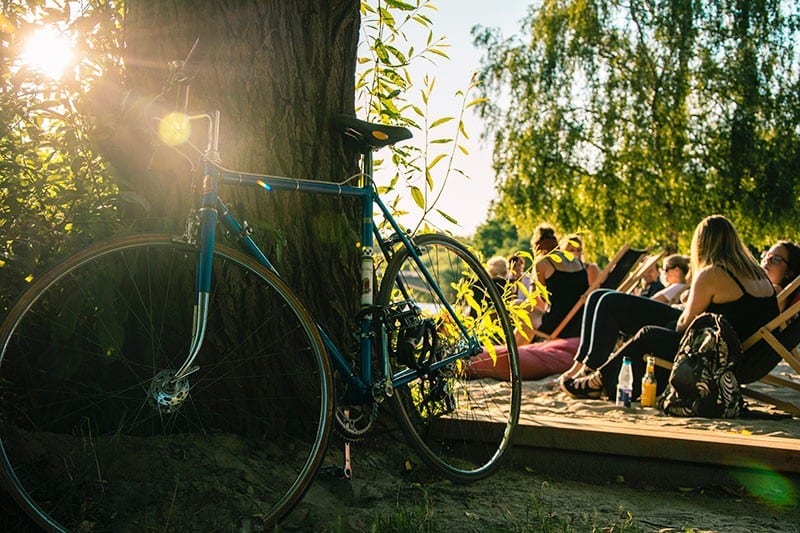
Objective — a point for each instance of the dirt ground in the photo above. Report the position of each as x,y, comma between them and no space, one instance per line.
391,491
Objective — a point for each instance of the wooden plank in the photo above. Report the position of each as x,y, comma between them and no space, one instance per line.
685,445
769,399
761,452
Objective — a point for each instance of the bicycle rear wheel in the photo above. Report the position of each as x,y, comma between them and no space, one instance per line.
95,435
461,427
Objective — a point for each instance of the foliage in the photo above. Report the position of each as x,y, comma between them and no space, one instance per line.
495,236
632,121
55,191
386,92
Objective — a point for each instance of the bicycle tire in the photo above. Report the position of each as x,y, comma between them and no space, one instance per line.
461,427
89,439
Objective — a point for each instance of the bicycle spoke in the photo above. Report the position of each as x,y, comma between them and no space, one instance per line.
95,431
460,426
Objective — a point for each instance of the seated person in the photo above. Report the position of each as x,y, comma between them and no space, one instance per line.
497,267
574,245
651,282
544,240
759,360
729,281
566,280
517,275
782,264
676,270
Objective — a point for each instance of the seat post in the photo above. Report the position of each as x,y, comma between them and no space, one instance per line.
366,168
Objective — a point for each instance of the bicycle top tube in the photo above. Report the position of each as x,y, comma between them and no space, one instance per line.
270,182
366,137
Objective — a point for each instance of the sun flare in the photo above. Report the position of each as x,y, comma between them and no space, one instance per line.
174,129
48,51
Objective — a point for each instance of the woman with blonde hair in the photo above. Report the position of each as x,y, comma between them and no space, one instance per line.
726,279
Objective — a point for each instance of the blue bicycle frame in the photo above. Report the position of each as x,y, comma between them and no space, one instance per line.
213,208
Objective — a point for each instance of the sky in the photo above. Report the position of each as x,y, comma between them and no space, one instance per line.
465,200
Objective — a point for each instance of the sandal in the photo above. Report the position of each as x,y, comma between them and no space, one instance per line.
574,371
588,387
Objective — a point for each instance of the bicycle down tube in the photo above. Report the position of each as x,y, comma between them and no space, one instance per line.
212,206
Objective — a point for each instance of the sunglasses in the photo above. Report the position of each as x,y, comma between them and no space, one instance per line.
772,259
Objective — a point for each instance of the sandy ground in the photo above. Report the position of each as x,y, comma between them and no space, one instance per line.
384,495
390,489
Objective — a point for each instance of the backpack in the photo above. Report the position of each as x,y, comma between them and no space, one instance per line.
702,382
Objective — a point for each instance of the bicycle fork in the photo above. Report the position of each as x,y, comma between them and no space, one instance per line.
170,388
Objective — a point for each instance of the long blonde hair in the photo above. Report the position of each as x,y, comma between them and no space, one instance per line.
716,242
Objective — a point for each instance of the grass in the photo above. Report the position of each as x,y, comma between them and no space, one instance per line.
539,516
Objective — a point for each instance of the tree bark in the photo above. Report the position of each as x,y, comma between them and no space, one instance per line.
277,70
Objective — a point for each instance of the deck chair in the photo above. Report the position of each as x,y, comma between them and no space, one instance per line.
610,277
623,267
775,341
639,270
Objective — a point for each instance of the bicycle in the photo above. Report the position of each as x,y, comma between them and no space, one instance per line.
132,354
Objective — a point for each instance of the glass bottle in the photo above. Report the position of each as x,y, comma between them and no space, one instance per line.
649,383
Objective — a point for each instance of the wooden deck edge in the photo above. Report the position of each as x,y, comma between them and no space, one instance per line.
658,443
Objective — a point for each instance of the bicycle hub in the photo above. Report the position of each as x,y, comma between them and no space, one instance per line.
166,393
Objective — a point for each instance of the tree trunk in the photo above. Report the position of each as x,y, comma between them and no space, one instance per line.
277,70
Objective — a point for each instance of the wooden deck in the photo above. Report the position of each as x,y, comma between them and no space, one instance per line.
560,434
637,440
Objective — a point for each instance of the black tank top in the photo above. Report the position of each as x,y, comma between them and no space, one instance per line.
565,288
749,312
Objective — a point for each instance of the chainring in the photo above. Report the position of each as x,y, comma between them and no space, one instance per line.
352,422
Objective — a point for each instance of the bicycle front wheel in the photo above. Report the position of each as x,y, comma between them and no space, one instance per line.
461,425
96,434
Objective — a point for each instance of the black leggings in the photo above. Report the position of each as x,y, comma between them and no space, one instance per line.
608,313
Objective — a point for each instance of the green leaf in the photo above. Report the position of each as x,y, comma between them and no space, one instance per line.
477,101
441,121
436,160
403,6
386,17
446,216
418,197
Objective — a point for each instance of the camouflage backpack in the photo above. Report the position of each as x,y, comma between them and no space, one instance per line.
702,382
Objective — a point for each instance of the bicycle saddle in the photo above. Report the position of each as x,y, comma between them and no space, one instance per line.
368,135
